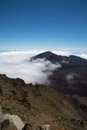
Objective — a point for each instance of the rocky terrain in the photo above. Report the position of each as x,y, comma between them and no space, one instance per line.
43,105
61,105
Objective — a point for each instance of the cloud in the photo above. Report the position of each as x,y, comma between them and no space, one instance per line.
62,53
83,55
70,77
67,53
17,65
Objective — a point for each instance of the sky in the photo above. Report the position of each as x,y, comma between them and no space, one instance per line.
43,24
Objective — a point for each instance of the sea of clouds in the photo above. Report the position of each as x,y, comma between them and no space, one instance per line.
16,64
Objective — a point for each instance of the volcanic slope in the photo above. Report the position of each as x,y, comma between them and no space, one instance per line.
71,77
40,104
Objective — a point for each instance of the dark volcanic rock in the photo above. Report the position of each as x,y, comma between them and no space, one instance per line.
58,58
50,57
76,58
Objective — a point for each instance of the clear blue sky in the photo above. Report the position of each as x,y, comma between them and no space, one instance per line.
43,24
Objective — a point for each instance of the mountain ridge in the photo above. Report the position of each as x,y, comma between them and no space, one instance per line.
52,57
71,77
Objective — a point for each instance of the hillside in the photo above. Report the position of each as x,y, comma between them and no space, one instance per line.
54,58
41,104
71,77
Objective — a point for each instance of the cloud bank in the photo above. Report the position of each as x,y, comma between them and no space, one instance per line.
17,65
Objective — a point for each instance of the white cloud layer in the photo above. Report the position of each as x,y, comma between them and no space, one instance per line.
17,65
67,53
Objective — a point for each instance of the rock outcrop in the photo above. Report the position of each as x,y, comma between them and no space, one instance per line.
10,122
13,122
45,127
